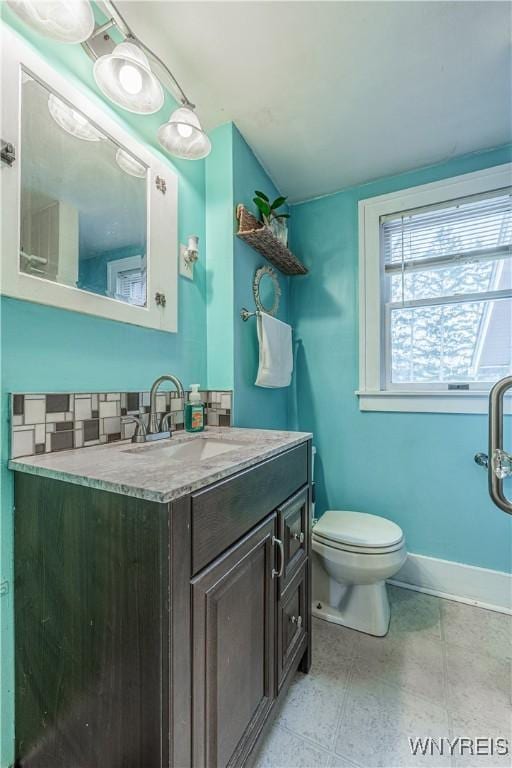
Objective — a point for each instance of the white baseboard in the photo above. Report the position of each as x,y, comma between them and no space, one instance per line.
456,581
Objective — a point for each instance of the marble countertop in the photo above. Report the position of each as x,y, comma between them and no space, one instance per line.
149,471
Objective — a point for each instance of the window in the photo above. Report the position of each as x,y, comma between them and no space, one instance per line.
448,284
126,280
130,286
438,267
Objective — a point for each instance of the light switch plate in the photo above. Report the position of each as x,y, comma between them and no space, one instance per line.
186,268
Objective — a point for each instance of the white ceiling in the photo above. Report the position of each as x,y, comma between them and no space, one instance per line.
332,94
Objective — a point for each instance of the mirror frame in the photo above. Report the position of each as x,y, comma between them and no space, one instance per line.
258,276
161,199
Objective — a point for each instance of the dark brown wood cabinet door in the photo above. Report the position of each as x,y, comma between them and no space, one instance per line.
293,531
234,653
292,622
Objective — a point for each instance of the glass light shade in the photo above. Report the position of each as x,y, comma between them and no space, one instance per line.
129,164
125,77
182,135
71,121
68,21
193,243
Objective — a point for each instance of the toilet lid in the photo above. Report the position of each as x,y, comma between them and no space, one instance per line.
358,529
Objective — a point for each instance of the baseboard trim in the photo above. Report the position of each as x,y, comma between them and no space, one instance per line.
456,581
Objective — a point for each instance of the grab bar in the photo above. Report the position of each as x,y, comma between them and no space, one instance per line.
496,452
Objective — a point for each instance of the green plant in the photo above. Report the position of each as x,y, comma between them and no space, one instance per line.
267,209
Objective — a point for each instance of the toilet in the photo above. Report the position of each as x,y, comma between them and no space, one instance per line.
354,554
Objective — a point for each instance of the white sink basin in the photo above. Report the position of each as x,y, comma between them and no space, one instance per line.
196,449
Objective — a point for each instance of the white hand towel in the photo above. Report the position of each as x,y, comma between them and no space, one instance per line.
276,357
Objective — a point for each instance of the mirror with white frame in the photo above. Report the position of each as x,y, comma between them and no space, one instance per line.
89,213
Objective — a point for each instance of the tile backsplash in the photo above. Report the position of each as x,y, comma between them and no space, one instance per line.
46,423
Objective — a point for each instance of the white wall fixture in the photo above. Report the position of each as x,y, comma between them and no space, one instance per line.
182,135
122,71
189,254
125,77
68,21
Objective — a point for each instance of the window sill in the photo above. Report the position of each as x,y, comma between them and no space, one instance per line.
428,402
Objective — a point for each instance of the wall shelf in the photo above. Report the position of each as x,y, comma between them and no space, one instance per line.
259,237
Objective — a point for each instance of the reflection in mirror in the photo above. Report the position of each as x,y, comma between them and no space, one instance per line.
266,290
83,201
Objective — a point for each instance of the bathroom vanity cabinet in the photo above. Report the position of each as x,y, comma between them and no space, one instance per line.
152,634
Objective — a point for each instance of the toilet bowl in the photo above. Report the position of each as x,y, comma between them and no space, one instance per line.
354,554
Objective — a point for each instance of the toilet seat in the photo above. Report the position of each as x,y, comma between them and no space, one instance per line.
358,549
358,532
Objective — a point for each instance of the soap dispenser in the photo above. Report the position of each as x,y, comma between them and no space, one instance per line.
194,411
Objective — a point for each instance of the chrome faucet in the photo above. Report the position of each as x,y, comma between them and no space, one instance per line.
154,428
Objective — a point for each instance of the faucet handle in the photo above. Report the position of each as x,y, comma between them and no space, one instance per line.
165,424
139,436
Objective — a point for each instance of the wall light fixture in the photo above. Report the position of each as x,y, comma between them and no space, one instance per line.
189,254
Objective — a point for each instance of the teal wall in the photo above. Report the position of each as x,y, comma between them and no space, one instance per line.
253,406
219,259
44,349
233,173
416,469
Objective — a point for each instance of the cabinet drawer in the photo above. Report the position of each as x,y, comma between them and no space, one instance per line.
292,622
293,522
224,512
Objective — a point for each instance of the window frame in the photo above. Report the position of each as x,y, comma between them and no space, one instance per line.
374,392
125,264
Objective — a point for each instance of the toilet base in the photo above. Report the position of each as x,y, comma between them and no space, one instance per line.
364,607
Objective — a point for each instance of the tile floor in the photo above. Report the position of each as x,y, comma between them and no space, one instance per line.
443,670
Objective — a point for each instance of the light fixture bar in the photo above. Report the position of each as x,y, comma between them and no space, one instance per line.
118,20
103,28
181,93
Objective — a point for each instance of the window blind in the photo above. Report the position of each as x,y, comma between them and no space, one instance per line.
131,286
464,231
448,291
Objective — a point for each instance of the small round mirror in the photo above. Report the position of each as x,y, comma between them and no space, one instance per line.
266,290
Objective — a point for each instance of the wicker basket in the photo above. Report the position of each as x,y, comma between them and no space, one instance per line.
263,240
